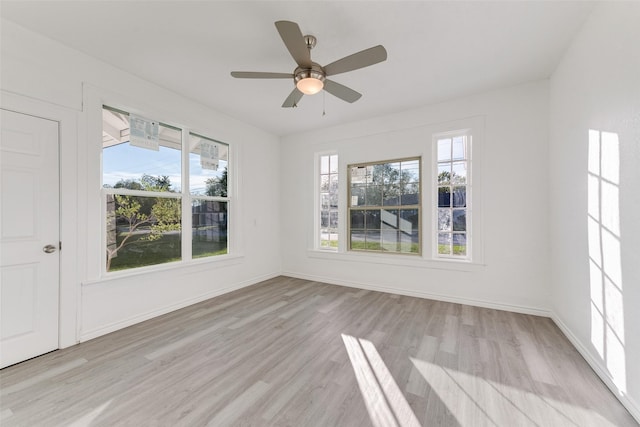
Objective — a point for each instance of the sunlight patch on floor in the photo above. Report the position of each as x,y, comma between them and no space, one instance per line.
477,401
385,402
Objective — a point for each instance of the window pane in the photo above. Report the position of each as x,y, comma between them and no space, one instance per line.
389,219
372,219
459,197
444,219
444,243
459,244
392,173
410,171
410,194
378,173
459,172
390,241
444,149
410,242
358,174
391,195
208,166
409,220
459,148
333,183
357,219
373,240
358,239
333,219
142,231
358,195
333,200
209,228
444,197
373,195
333,164
324,164
444,174
324,183
459,220
324,200
324,218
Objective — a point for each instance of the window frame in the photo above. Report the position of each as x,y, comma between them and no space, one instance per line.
467,133
184,195
381,207
318,201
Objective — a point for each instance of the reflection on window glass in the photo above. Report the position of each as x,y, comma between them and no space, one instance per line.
384,206
452,190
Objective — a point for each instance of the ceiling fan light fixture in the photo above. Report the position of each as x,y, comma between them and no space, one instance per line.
310,81
310,85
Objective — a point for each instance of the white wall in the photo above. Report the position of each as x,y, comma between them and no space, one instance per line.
596,271
41,69
512,160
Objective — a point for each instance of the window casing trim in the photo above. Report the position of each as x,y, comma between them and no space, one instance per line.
467,133
94,125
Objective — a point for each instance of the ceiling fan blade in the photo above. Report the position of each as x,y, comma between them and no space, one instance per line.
362,59
340,91
294,41
260,75
292,99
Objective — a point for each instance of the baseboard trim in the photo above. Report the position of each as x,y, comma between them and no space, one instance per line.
426,295
598,368
112,327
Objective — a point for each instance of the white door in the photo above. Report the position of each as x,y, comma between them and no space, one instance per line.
29,237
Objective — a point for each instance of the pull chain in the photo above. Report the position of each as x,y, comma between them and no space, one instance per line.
324,113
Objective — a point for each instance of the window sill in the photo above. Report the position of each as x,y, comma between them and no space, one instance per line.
397,260
193,266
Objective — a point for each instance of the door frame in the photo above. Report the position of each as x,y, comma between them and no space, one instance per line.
70,264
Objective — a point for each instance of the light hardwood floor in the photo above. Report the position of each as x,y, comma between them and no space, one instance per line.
290,352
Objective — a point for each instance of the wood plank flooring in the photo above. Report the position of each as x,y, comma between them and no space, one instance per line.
290,352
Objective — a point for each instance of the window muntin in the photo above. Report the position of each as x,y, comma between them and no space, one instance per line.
329,201
384,206
453,193
144,196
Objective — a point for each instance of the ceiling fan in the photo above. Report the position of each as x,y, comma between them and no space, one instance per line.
310,77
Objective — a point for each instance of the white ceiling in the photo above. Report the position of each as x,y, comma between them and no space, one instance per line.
436,50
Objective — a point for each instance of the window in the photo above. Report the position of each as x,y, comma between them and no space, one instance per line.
384,206
453,193
329,202
208,174
147,196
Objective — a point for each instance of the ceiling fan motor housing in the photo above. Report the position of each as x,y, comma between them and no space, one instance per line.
315,72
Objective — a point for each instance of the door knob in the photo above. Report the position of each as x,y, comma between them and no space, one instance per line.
49,249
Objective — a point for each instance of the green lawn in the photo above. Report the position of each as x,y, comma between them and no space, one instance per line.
412,248
140,253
